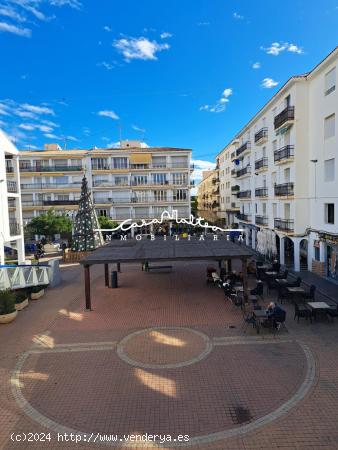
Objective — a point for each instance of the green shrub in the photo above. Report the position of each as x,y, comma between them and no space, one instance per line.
7,302
36,289
20,296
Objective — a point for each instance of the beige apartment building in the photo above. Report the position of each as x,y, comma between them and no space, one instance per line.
208,196
130,182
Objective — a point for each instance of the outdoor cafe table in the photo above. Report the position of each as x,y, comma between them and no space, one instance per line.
318,307
260,316
271,274
296,291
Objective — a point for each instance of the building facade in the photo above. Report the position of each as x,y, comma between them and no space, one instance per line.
11,225
130,182
285,163
228,185
208,196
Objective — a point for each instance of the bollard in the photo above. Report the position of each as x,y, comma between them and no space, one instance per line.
114,279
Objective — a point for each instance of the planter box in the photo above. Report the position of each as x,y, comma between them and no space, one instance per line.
37,295
7,318
22,305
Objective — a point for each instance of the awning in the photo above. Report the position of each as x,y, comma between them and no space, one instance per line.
140,158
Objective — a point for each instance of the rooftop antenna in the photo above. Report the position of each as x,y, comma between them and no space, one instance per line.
65,142
120,131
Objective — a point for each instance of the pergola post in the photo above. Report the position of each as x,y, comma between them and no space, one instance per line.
87,288
106,275
245,278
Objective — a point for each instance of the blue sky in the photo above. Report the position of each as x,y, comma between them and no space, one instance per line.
184,73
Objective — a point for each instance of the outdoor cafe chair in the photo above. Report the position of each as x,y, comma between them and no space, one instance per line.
310,295
332,312
302,311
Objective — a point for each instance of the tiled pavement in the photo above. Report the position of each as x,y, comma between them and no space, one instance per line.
165,354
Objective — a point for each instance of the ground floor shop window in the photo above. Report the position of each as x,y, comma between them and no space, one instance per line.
332,268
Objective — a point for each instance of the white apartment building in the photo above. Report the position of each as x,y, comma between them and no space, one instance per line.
228,185
11,227
286,164
130,182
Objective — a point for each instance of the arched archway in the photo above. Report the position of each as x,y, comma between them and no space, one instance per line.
288,252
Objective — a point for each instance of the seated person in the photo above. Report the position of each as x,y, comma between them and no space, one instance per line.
275,313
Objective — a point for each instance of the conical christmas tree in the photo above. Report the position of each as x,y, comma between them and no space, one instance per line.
84,236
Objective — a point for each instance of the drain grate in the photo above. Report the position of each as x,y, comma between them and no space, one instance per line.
239,414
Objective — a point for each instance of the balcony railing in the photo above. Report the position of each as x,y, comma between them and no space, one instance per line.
287,115
284,190
14,228
244,217
233,155
244,171
110,200
261,163
244,194
50,168
284,225
243,148
9,169
235,188
262,220
50,202
261,192
286,152
38,186
233,172
12,187
262,135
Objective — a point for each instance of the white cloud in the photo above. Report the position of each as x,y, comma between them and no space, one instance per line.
31,147
37,109
9,28
107,113
76,4
136,128
106,65
165,35
8,11
52,136
2,123
256,65
36,126
201,166
220,106
139,48
278,47
237,16
72,138
203,24
269,83
107,28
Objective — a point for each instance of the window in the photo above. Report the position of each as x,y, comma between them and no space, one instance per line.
121,181
288,101
264,209
160,196
329,213
160,178
287,211
287,175
179,194
329,126
139,180
180,178
329,170
100,163
330,81
274,210
120,163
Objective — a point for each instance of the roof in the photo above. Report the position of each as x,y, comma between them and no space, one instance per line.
102,151
133,250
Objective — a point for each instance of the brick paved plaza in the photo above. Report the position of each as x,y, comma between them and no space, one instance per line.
165,354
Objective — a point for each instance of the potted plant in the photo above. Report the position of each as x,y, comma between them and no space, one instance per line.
37,292
7,306
21,300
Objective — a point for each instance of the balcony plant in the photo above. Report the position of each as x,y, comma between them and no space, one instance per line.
37,292
7,306
21,300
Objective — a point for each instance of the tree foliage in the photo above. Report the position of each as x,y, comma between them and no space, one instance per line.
106,222
49,224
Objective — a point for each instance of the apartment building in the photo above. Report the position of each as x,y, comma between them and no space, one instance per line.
11,226
127,182
228,185
208,196
286,166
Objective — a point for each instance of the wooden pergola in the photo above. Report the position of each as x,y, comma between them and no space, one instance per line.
160,250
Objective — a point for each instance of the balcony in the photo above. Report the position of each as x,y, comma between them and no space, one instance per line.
233,207
244,217
285,118
51,168
192,183
243,149
284,154
262,220
261,164
261,192
235,188
215,205
12,187
52,186
244,194
14,228
243,172
50,203
9,169
262,136
284,190
284,225
233,172
233,156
